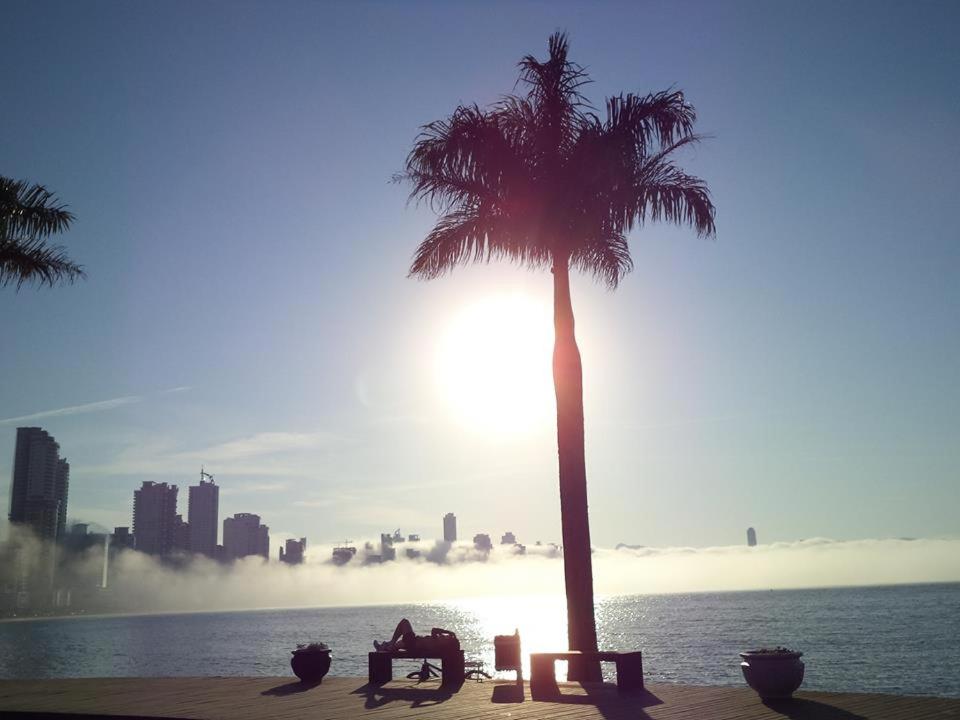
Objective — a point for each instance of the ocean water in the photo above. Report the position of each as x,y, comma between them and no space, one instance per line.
900,639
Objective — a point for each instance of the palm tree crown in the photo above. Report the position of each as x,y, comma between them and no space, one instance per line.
29,214
541,177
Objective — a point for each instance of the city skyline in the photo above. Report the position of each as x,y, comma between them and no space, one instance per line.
38,500
80,571
170,534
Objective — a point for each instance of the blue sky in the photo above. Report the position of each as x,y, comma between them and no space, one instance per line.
247,308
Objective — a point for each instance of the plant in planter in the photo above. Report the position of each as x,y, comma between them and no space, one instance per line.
773,672
310,662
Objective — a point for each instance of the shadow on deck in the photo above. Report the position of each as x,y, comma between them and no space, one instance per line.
418,696
801,709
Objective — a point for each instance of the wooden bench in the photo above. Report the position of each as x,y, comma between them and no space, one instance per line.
543,675
380,665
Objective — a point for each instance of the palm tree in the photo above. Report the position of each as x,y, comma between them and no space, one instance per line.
29,214
541,180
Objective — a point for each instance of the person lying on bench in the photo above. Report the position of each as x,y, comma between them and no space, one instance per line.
404,638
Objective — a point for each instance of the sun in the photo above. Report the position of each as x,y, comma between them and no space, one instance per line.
493,364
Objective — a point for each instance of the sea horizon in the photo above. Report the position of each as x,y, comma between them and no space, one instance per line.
555,595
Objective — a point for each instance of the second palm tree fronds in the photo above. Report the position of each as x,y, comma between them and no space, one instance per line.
29,215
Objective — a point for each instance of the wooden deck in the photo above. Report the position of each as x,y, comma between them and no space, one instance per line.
260,698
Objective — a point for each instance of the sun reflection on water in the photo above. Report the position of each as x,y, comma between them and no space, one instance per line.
541,620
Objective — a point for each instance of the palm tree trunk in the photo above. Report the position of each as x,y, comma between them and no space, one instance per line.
577,566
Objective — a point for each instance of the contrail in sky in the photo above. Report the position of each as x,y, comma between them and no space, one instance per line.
99,406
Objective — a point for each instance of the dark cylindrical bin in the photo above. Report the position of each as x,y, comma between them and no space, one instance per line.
507,651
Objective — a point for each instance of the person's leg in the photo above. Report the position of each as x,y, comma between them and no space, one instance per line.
403,628
400,637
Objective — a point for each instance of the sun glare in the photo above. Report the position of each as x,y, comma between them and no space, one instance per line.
493,364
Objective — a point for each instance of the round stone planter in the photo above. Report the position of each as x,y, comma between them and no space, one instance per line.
310,665
774,675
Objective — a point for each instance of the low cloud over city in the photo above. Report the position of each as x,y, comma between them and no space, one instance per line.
438,571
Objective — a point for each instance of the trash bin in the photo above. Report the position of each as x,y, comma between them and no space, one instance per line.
507,651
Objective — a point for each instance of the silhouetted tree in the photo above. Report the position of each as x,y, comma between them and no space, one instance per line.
29,214
539,179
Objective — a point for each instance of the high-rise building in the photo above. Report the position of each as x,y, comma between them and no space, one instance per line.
38,503
155,518
751,537
181,535
203,516
41,480
482,542
387,550
294,551
62,490
450,527
244,535
508,538
121,539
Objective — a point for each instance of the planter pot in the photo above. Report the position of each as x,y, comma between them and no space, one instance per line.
773,675
310,665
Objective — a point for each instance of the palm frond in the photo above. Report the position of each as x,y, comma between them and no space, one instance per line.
621,177
29,214
461,159
665,151
30,210
606,258
35,261
471,235
553,91
557,77
671,195
517,119
639,122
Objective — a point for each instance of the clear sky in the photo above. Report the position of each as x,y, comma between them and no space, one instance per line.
247,308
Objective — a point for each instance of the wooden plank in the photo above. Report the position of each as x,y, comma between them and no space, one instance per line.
335,698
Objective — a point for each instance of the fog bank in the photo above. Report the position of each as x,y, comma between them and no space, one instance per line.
139,583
